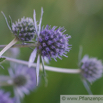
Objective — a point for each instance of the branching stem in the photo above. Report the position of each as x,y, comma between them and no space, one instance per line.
49,68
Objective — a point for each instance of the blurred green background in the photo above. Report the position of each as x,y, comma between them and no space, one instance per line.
83,20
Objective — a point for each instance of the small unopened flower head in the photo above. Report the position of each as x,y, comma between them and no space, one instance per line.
24,79
5,97
24,29
91,68
52,42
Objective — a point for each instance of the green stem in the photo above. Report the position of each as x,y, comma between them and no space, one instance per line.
8,46
21,45
49,68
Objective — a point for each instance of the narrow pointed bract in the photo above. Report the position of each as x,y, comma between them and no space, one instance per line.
80,54
40,21
87,87
35,22
37,69
46,60
6,21
32,57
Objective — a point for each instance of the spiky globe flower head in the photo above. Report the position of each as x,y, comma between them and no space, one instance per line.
24,29
5,97
23,79
51,43
91,68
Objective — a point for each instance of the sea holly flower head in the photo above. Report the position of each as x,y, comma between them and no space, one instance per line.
5,97
23,79
24,29
51,43
91,68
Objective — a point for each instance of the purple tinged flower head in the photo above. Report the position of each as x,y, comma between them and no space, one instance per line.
24,29
24,79
52,43
91,68
5,97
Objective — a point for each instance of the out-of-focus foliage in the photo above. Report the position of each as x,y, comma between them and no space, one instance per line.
83,20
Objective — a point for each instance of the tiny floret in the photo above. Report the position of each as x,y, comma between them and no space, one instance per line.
52,43
24,29
91,68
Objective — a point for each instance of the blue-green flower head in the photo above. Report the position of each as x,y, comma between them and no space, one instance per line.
91,68
24,29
